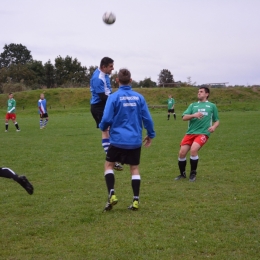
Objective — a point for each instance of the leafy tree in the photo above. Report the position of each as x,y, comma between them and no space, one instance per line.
189,82
49,72
113,82
38,69
134,84
14,54
147,83
90,72
165,76
4,75
17,73
69,70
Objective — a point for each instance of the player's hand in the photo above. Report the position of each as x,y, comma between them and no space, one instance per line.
198,115
211,129
147,141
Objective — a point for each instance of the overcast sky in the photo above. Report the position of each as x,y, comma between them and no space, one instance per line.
208,40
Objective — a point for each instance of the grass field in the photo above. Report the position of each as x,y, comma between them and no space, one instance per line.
217,217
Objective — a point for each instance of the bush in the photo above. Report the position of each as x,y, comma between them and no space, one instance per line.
10,87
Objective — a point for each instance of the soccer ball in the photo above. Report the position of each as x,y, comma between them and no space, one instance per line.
109,18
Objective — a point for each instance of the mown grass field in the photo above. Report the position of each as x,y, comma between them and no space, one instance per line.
217,217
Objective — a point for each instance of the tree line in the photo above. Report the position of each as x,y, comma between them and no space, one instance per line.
19,71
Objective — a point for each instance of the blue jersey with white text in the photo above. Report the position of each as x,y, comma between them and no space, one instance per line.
42,106
99,83
126,113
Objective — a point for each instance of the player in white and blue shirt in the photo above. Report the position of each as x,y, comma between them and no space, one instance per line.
100,88
42,110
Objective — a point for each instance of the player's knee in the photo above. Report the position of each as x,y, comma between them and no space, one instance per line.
182,154
194,152
134,169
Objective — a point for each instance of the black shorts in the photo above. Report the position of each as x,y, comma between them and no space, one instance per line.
171,110
44,115
97,112
124,156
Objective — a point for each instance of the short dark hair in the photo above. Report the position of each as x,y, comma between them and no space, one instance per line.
105,62
10,93
124,76
206,90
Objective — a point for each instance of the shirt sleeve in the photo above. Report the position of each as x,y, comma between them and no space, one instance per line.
98,85
215,117
188,111
147,120
108,115
40,106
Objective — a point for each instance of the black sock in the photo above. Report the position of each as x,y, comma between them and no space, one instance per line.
16,125
6,126
194,163
168,117
136,183
8,173
110,181
174,116
182,166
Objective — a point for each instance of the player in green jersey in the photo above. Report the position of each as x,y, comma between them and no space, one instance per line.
203,120
171,103
10,115
22,180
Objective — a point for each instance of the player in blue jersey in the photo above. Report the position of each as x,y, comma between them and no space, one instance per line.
22,180
125,113
100,88
42,110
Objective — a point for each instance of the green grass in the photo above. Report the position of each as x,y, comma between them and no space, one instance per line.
217,217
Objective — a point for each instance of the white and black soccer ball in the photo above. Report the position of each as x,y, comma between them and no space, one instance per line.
109,18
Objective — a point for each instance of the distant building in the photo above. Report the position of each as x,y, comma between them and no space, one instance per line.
176,84
215,85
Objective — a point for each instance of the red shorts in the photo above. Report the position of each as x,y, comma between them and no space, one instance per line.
198,138
9,116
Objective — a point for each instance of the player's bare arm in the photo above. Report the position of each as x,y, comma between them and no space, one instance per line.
213,127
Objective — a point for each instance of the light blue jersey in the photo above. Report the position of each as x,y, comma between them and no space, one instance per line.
126,113
42,106
99,83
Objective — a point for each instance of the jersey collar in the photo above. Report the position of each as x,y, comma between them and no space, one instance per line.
203,102
102,73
